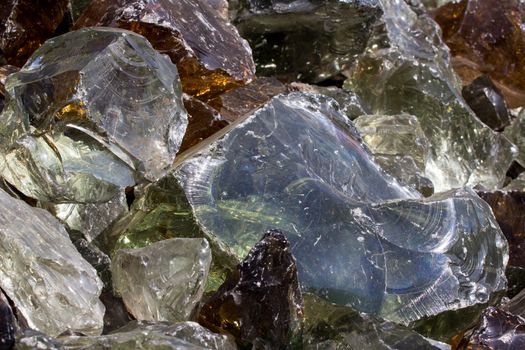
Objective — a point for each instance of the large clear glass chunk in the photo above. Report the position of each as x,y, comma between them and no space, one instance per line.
92,109
52,286
406,69
358,236
163,281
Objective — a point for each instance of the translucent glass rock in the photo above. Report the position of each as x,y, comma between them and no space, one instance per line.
307,40
399,146
25,25
209,53
52,286
516,133
487,102
92,109
406,69
328,326
358,236
260,303
163,281
498,329
487,37
90,219
349,101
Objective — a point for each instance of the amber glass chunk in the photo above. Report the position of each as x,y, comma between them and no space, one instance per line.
209,53
25,25
487,37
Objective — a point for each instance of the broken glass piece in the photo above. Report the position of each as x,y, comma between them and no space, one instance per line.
516,134
517,184
25,25
299,165
7,324
78,7
95,108
349,102
498,329
406,69
487,37
89,220
309,40
329,326
203,121
487,102
237,102
29,339
163,281
259,302
208,51
191,332
4,73
509,210
399,146
52,286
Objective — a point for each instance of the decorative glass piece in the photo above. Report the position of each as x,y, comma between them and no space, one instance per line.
399,146
4,73
487,37
52,286
359,237
259,302
329,326
309,40
163,281
209,53
487,102
406,69
516,133
92,109
25,25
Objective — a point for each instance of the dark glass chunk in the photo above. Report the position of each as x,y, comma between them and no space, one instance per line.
487,102
259,302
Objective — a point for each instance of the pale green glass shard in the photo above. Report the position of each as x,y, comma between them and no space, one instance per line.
29,339
163,281
359,237
399,146
191,332
516,133
94,108
518,184
329,326
406,69
89,220
52,286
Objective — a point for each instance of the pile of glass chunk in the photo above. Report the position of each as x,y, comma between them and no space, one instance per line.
214,174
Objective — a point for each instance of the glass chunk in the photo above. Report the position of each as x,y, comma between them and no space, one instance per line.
163,281
516,134
359,237
487,102
329,326
487,37
209,53
406,69
52,286
92,109
237,102
308,41
498,329
25,25
4,73
399,146
259,302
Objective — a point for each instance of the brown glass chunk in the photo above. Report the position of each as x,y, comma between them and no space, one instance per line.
25,25
487,37
259,302
209,53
